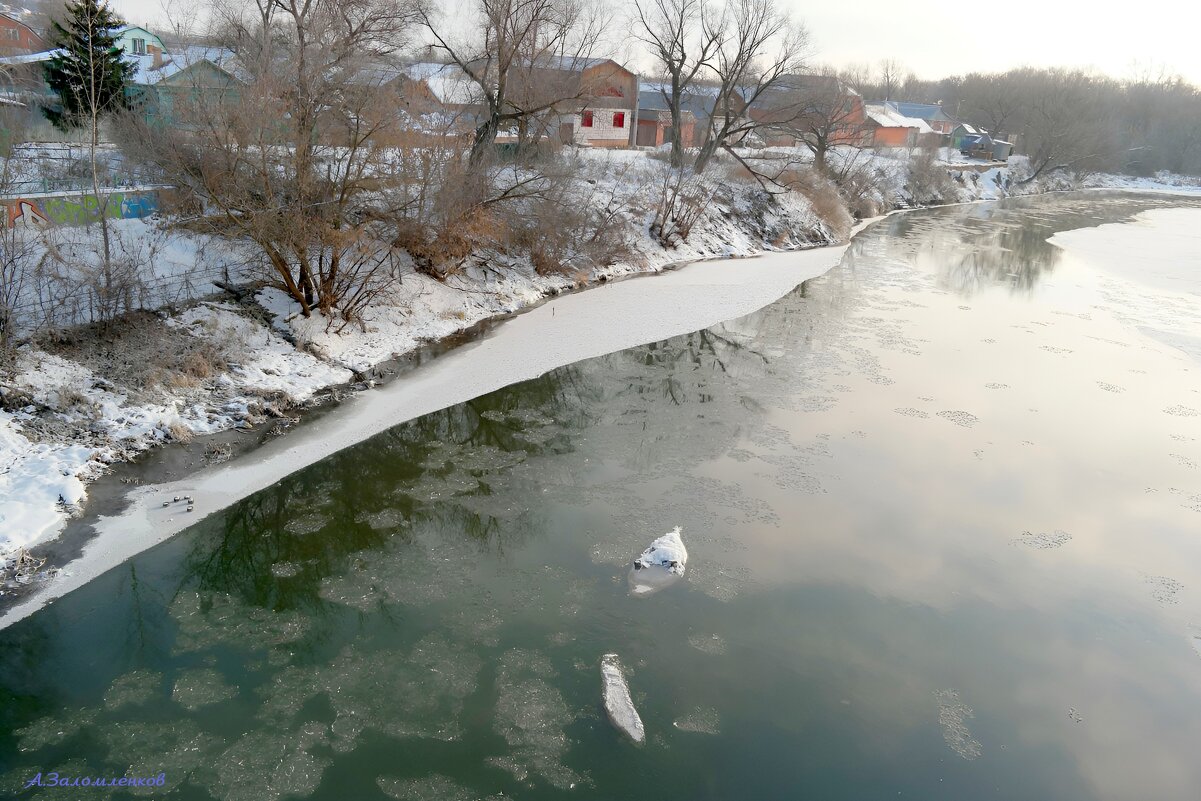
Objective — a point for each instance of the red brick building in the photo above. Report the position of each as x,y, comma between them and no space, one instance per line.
18,39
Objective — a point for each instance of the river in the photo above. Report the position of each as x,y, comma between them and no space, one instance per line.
943,513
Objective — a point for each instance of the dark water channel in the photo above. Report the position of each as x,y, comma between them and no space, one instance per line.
943,511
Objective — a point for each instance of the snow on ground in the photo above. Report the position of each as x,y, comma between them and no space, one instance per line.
81,417
36,481
565,330
76,419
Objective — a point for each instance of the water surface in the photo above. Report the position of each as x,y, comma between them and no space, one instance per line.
942,508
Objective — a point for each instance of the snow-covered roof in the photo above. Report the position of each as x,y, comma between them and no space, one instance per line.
572,63
970,129
147,74
32,58
886,117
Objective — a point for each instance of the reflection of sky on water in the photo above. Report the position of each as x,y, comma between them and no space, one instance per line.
941,508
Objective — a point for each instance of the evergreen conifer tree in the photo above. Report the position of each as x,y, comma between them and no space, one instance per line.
90,76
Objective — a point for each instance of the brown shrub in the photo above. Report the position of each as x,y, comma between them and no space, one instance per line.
179,432
823,197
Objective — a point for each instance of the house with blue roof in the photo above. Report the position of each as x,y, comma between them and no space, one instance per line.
932,113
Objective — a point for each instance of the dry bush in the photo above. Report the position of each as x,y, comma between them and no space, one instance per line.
575,223
180,433
824,198
928,181
680,202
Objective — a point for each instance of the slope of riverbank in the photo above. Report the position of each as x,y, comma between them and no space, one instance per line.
562,331
71,408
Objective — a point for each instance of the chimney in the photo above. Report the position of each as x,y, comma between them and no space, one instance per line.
156,54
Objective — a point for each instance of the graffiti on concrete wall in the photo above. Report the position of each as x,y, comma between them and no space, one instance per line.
78,210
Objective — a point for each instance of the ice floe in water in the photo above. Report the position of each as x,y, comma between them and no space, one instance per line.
667,552
707,643
134,687
221,619
702,720
660,565
54,729
419,695
434,787
179,750
265,766
953,715
531,715
618,704
200,687
1044,541
1163,589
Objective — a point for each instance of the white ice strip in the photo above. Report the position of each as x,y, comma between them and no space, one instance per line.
667,552
1158,248
565,330
618,704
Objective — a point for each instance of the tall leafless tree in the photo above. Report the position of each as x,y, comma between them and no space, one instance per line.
519,56
682,36
760,46
294,153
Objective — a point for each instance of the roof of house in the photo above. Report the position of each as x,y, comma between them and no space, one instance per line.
921,111
981,139
11,18
574,63
887,117
147,74
127,28
697,98
32,58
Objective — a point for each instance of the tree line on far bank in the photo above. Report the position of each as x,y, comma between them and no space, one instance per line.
1066,117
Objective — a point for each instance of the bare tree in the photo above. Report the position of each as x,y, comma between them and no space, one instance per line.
891,74
522,58
761,45
295,156
820,110
683,37
1062,119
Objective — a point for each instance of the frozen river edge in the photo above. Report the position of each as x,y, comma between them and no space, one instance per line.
562,331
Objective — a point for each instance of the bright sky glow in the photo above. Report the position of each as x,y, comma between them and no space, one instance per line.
940,37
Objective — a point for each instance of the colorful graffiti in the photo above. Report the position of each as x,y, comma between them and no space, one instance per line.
78,210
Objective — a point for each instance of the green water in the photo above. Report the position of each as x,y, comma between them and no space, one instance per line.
943,510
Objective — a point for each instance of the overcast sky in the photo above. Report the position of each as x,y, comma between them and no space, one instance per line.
941,37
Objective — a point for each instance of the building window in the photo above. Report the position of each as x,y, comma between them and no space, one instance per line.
619,119
139,47
586,119
14,33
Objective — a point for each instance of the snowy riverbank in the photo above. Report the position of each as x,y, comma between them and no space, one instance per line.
562,331
69,414
217,365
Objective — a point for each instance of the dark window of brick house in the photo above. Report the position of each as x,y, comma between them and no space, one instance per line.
586,119
619,119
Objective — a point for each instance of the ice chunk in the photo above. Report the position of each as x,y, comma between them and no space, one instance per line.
618,703
667,552
660,565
